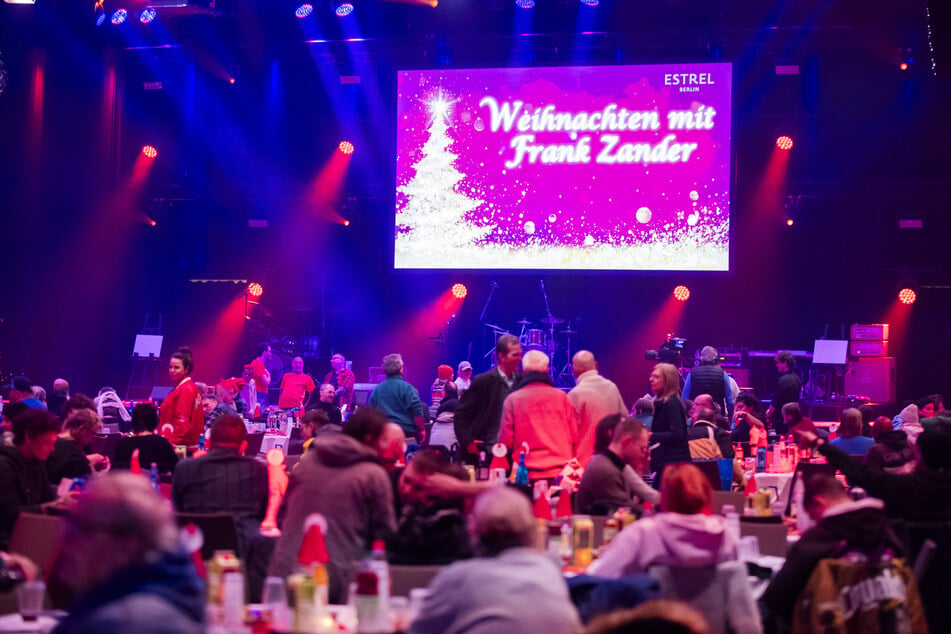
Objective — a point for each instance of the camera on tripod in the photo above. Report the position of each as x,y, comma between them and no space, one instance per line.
671,351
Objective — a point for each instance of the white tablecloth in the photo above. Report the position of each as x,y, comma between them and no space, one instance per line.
780,483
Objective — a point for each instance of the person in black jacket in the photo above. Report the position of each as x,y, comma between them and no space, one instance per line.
787,390
152,448
24,485
669,428
480,411
69,459
842,526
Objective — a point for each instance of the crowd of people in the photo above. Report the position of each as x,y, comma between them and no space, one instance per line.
121,556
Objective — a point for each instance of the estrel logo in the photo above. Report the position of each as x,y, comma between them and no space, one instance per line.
688,79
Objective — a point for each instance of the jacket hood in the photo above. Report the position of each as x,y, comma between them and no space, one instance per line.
896,439
341,450
692,540
910,421
172,577
535,377
862,524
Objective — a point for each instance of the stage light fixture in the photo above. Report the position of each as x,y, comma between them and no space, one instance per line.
346,223
525,4
119,16
681,293
304,10
343,9
459,291
346,147
784,143
231,80
100,16
790,222
147,15
590,3
907,296
149,152
255,290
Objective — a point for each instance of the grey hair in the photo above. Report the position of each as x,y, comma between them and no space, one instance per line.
392,364
708,354
535,360
501,518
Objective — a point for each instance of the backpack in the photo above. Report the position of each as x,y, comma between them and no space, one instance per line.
857,593
704,447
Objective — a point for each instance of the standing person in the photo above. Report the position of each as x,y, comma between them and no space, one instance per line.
54,403
181,417
593,397
342,379
398,400
249,393
296,387
479,415
464,380
669,427
787,390
540,415
709,378
262,376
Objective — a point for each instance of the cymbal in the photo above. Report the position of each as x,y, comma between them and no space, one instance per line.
568,332
494,327
524,322
553,320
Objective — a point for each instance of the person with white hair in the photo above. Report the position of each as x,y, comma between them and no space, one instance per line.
540,415
709,378
119,550
493,593
398,400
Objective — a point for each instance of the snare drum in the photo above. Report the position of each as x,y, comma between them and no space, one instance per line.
536,339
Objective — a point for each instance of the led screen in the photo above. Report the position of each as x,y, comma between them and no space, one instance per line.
603,167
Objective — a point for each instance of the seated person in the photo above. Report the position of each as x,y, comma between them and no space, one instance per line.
891,452
705,439
224,480
850,438
152,447
24,483
796,423
747,425
644,411
430,531
325,403
840,524
68,459
508,587
223,401
119,551
316,423
686,533
443,431
604,487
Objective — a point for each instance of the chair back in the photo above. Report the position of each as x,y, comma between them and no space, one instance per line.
808,469
772,537
711,469
295,442
722,498
405,578
255,441
35,537
932,564
720,592
219,530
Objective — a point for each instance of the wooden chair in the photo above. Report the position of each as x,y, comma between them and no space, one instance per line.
722,498
772,537
711,469
219,530
35,537
405,578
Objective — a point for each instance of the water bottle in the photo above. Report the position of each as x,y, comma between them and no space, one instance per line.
521,476
201,442
761,460
379,565
153,476
79,484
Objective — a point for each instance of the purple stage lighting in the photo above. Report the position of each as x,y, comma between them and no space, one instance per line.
147,15
343,9
119,16
304,10
100,17
525,4
590,3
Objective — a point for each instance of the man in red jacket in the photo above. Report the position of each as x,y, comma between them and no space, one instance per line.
541,415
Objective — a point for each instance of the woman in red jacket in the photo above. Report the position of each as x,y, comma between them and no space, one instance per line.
181,418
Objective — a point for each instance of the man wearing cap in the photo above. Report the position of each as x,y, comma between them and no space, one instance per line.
464,380
21,391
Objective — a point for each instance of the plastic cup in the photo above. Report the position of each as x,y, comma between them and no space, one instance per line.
30,597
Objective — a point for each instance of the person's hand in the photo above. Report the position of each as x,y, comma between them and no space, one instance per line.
30,570
64,503
769,411
97,461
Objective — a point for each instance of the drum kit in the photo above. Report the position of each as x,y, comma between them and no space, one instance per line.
545,339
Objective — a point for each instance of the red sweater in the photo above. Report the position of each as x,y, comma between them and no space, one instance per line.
181,418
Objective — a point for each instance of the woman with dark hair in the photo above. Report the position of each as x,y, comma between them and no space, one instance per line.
151,448
669,428
181,417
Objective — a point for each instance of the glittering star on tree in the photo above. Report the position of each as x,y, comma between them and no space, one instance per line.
434,214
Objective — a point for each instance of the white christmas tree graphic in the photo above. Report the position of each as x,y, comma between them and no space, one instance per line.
435,210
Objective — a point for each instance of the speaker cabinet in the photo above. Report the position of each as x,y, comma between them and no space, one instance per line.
872,377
